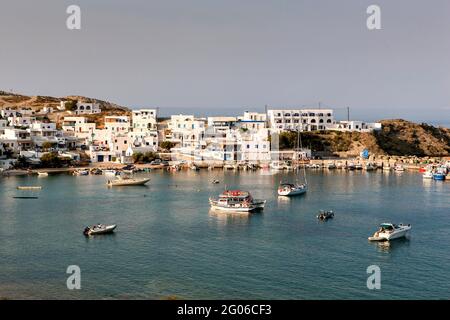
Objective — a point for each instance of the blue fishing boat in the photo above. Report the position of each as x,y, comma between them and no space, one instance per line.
439,176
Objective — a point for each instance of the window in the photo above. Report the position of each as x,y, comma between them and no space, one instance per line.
329,121
321,121
313,120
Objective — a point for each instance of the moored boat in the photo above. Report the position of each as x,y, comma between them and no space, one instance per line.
29,188
439,176
126,181
236,201
291,189
42,174
428,175
81,172
99,229
390,231
325,215
277,165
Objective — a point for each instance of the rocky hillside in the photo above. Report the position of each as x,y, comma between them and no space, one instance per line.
397,137
8,99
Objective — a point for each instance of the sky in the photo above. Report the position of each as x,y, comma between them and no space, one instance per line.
212,56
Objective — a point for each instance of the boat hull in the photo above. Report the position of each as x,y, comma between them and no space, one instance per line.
123,183
257,205
293,192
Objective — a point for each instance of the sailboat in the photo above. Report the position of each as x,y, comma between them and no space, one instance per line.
294,189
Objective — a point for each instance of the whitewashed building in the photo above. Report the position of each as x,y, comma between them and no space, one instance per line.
300,119
355,126
87,108
117,124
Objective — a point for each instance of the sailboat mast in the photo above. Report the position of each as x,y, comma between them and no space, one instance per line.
299,138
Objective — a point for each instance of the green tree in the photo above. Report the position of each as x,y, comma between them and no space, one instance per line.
51,160
47,145
167,145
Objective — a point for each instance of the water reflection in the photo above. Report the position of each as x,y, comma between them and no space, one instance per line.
390,246
226,218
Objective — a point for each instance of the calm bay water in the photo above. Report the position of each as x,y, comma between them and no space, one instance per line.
168,243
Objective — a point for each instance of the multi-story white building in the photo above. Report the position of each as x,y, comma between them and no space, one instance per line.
144,120
117,124
41,133
87,108
3,125
78,127
16,139
300,119
186,131
252,120
144,132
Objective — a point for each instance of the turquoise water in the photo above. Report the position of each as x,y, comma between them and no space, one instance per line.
168,243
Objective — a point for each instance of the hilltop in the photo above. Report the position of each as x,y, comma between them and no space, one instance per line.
397,137
8,99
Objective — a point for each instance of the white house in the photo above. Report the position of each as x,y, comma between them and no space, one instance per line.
144,120
252,120
87,108
355,126
79,127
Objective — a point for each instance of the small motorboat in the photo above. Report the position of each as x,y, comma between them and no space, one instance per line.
126,181
439,176
428,175
42,174
399,168
325,215
358,166
351,166
96,171
81,172
29,188
331,166
389,231
99,229
215,181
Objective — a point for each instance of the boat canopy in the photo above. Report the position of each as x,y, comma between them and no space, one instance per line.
235,193
386,225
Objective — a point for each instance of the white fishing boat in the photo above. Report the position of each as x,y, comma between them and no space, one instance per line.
99,229
236,201
127,181
358,166
371,166
399,168
42,174
389,231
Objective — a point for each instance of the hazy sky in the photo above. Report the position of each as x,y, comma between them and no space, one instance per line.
199,54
